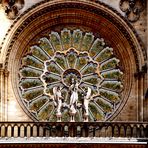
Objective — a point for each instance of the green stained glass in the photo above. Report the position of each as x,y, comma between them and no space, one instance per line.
65,62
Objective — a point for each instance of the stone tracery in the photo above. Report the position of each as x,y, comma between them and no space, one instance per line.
54,61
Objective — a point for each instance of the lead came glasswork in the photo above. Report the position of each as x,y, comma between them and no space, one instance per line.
56,61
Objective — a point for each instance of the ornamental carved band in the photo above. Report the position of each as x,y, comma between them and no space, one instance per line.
12,7
70,76
132,8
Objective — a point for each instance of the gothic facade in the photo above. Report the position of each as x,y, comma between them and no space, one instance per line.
78,68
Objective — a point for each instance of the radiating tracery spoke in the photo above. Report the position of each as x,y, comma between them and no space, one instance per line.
58,59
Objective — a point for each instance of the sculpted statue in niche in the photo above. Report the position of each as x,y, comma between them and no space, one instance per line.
12,7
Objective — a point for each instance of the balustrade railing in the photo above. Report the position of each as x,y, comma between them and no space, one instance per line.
74,129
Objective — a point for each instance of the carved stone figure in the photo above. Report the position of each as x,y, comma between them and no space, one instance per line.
86,103
132,8
57,99
12,7
74,96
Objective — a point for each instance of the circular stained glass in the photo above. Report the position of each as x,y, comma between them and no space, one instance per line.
61,59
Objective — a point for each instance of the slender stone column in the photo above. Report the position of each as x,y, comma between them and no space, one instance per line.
140,79
6,74
145,101
141,99
3,94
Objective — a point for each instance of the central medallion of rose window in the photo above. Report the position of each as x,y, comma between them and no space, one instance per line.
70,76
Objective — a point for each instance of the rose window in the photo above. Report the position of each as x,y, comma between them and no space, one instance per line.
57,60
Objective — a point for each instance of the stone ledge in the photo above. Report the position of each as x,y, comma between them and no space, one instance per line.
75,140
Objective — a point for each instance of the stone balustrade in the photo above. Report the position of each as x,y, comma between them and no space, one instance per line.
74,129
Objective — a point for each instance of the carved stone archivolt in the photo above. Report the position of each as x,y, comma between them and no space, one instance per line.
39,13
